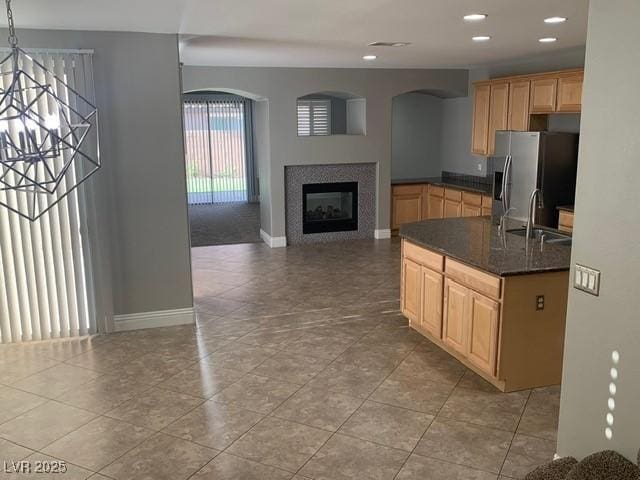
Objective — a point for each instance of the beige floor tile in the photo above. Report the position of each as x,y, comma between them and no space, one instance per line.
291,368
497,410
540,418
421,468
240,357
387,425
98,443
17,367
214,425
14,402
269,338
10,452
230,467
319,346
435,366
44,424
256,393
62,349
481,448
414,394
473,381
104,393
346,458
108,357
527,453
152,368
55,381
202,380
155,408
378,356
352,380
318,408
161,457
280,443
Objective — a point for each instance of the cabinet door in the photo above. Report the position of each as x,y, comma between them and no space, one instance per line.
432,285
480,119
570,93
452,208
455,311
482,347
406,209
543,95
498,113
411,290
519,106
435,206
471,210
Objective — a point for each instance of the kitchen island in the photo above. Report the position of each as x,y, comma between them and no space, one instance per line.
488,298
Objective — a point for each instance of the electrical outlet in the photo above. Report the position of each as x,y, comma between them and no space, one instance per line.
479,167
587,279
540,302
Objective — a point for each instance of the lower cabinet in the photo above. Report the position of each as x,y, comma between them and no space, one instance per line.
483,328
406,205
411,287
455,315
431,315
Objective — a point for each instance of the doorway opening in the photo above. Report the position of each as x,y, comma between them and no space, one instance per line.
222,183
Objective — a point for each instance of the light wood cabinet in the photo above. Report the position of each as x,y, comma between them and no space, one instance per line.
452,208
483,324
481,107
570,93
565,221
432,295
435,202
406,205
411,289
487,204
544,93
519,105
491,324
471,204
454,329
498,113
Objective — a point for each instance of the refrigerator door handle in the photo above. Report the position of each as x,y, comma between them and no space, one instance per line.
507,193
503,192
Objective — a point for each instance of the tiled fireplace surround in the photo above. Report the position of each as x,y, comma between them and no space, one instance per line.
298,175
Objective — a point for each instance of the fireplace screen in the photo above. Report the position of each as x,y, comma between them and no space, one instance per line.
330,207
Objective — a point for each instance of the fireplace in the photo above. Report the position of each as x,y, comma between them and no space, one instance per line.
329,207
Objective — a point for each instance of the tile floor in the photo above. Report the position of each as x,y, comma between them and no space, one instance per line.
300,367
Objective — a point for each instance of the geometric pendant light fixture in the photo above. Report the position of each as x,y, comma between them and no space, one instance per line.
46,132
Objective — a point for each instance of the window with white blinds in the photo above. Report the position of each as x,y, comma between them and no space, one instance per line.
314,117
44,288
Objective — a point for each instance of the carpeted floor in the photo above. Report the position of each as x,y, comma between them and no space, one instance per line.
224,224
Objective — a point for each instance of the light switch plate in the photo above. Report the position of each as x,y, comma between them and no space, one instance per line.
587,279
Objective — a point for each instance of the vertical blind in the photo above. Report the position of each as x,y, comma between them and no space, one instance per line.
218,149
44,288
314,117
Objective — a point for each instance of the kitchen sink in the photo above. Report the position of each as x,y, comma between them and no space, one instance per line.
544,235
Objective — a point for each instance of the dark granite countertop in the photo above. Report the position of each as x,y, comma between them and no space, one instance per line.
566,208
475,187
476,242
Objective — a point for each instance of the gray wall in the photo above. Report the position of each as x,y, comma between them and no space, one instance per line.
141,193
262,154
458,112
416,136
282,86
606,237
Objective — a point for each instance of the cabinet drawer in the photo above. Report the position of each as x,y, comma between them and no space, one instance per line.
472,198
406,190
476,280
436,190
487,201
452,194
566,219
422,256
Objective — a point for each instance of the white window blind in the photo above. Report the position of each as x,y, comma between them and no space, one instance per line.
314,117
44,289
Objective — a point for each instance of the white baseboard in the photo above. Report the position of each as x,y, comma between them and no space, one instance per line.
163,318
382,234
273,242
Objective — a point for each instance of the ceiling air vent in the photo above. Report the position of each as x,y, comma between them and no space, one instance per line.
389,44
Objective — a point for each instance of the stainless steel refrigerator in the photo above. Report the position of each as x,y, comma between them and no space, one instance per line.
524,161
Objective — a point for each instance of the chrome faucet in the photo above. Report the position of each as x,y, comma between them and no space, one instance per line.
532,210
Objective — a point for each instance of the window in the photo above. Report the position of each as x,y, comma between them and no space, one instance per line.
314,117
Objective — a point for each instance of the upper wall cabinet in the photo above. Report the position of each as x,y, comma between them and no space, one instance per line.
509,103
330,113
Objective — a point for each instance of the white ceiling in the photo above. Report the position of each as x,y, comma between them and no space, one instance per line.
328,33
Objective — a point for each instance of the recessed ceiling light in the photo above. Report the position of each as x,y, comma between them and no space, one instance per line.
555,20
481,38
369,57
474,17
548,40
